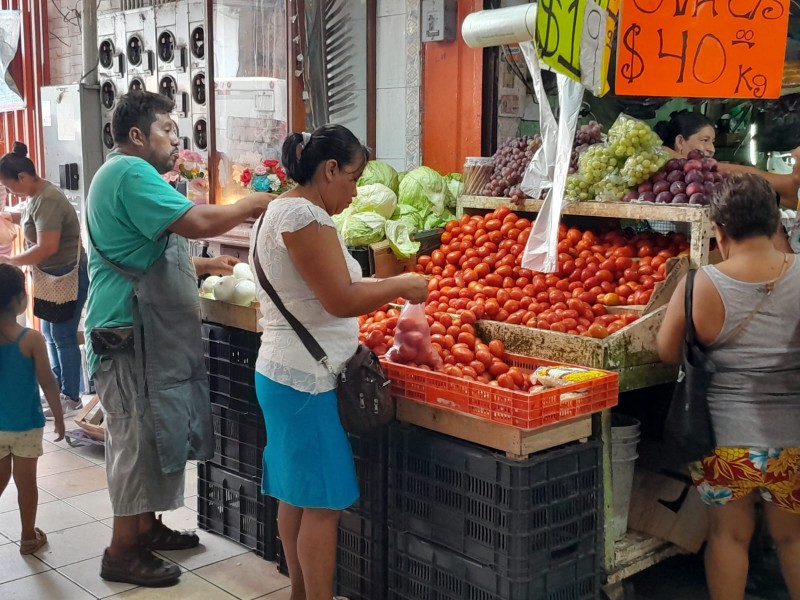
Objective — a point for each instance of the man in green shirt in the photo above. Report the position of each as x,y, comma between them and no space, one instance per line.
157,409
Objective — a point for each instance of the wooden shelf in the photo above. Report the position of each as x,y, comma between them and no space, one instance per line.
638,551
698,217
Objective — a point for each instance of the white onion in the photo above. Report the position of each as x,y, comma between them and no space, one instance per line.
244,292
224,288
242,271
209,283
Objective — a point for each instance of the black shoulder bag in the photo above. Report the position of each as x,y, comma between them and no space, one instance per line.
362,388
688,424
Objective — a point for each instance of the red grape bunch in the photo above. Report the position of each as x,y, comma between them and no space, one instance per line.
585,136
689,180
510,161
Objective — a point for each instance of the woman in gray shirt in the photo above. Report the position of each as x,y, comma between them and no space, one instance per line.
753,398
52,235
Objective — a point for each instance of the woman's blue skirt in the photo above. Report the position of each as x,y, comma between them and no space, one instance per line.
308,461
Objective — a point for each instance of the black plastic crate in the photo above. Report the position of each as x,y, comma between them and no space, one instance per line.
231,355
232,506
283,568
231,344
361,569
239,440
519,516
421,570
361,254
371,455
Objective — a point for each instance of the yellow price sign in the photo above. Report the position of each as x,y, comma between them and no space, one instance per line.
575,38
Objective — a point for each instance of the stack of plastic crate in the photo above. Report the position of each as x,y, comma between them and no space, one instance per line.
230,502
467,524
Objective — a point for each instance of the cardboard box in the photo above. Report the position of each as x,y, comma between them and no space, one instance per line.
384,263
668,507
91,419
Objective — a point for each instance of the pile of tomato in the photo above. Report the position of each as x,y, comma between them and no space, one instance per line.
476,274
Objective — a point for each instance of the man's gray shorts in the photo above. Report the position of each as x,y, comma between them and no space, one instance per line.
136,482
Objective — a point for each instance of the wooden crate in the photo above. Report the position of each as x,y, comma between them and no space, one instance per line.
232,315
631,351
515,442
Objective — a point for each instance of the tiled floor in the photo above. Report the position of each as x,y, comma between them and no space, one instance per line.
75,512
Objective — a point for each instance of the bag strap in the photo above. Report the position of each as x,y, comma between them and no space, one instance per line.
305,336
129,273
770,286
689,335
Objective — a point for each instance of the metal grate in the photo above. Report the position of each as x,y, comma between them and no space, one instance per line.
131,4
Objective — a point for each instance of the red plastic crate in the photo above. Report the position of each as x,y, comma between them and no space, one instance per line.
524,410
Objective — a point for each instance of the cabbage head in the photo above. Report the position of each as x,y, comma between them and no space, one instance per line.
374,197
424,189
380,172
410,216
339,219
433,221
398,235
455,186
362,229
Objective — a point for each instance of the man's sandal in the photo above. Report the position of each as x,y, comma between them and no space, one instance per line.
31,546
161,537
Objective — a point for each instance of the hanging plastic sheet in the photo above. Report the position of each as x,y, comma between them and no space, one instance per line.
541,252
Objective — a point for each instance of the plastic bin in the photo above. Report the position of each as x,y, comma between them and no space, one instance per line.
231,355
239,440
371,455
361,254
232,506
361,569
420,570
520,516
526,410
624,442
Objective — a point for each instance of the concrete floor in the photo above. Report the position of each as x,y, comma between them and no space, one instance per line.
683,578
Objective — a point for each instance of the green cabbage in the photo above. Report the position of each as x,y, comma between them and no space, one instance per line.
410,216
398,234
339,219
375,197
432,221
455,186
400,177
362,229
380,172
424,189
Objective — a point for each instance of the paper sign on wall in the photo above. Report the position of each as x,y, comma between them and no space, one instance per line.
574,38
702,48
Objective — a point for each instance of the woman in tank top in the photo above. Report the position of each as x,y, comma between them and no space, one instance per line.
753,398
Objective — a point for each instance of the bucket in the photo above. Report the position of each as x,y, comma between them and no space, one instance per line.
624,439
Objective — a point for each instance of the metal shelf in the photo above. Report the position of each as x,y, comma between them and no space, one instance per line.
698,217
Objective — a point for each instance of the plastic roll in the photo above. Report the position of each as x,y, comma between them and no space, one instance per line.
500,26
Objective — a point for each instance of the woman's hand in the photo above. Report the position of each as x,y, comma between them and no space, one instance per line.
415,288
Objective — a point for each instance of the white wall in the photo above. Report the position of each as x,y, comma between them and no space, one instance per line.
398,114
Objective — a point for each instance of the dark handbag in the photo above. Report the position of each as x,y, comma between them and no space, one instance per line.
52,311
688,425
362,388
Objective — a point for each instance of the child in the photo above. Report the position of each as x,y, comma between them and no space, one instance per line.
24,366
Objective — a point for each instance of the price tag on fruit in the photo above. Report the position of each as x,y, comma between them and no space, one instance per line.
575,39
702,48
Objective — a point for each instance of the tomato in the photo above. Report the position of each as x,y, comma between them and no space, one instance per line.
504,271
497,348
605,275
505,380
587,297
555,296
497,368
482,270
596,330
558,326
623,291
599,310
466,338
467,316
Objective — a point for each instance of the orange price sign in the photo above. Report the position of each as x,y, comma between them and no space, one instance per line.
702,48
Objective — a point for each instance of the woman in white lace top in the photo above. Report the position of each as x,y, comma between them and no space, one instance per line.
308,463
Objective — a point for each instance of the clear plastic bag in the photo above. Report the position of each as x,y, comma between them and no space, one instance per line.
412,339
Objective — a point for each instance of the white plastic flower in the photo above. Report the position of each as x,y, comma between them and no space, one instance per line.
274,182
